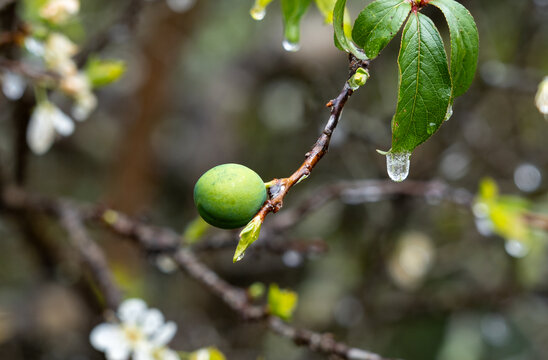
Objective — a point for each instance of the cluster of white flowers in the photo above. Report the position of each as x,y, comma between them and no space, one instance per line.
142,333
56,51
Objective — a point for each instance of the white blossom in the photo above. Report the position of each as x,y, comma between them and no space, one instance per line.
58,54
47,120
541,99
59,11
35,47
78,87
84,104
13,85
141,333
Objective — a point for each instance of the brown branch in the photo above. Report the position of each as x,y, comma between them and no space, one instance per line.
278,188
156,239
29,72
323,343
363,191
91,254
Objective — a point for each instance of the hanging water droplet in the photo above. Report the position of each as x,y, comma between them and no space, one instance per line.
290,46
240,257
397,165
449,113
257,13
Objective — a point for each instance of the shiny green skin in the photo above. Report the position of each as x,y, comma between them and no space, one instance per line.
229,195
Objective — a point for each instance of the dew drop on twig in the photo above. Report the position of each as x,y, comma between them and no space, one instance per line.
397,165
290,46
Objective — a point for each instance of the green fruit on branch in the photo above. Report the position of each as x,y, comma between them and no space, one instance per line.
229,195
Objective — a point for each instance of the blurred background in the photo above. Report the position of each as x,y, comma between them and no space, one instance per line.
406,277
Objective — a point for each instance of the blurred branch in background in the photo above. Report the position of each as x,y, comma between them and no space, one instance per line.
147,237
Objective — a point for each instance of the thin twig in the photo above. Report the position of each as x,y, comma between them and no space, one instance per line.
91,253
278,188
28,71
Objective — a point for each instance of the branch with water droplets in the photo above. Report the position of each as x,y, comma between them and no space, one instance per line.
278,188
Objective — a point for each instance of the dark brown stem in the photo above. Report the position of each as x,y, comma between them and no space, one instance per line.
280,187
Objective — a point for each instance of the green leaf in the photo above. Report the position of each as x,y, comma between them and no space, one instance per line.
293,11
326,8
464,44
256,290
248,236
378,23
104,72
195,230
282,303
341,39
505,212
424,85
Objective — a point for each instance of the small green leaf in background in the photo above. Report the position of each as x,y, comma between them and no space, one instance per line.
378,23
326,8
341,39
104,72
464,44
256,290
504,215
293,11
248,236
281,302
505,212
209,353
195,230
424,85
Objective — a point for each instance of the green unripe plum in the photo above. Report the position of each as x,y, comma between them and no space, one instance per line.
229,195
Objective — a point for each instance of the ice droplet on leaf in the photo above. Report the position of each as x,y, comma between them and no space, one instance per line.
290,46
449,113
397,165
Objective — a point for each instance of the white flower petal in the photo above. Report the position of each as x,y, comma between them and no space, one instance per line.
132,311
13,85
105,336
86,102
119,352
164,334
202,354
144,353
35,47
41,130
168,354
152,321
62,123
